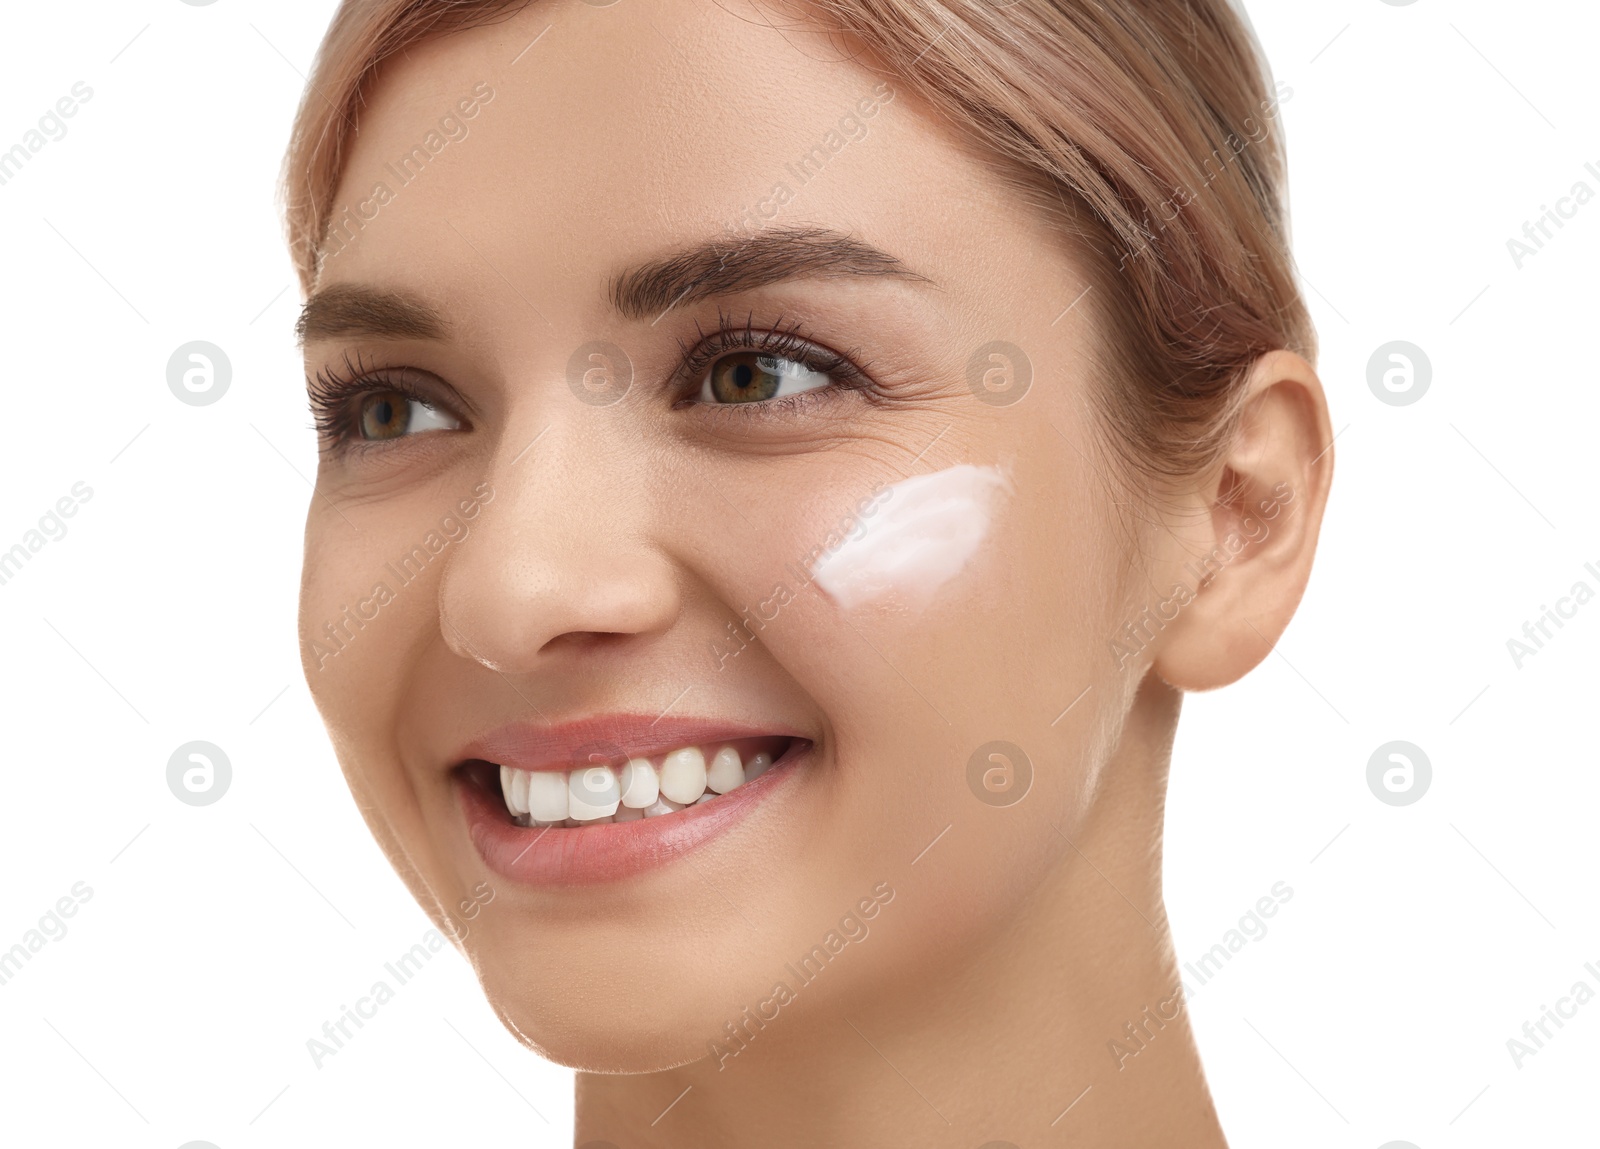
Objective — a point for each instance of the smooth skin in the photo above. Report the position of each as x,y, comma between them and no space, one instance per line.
622,538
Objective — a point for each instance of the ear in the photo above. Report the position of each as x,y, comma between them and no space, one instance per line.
1247,561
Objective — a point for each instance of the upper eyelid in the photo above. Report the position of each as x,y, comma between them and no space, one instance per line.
358,378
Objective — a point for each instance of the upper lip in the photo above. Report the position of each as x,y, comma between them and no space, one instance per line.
603,739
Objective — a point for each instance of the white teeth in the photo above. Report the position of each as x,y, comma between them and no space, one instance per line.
725,771
519,792
514,785
592,793
637,789
546,794
640,786
683,775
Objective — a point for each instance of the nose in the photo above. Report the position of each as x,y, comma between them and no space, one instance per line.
560,560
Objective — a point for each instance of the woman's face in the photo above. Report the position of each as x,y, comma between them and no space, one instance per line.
660,345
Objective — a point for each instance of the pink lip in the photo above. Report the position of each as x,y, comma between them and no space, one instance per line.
585,855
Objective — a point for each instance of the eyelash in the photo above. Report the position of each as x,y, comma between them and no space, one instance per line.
333,394
780,342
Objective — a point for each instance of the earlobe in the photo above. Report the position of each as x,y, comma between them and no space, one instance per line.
1249,558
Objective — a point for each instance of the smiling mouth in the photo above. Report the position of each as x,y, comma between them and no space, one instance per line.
629,789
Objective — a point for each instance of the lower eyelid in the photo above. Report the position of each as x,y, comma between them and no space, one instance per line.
776,407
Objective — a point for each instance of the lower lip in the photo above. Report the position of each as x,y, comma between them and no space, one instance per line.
610,851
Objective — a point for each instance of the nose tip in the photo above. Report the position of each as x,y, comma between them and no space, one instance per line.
546,574
511,620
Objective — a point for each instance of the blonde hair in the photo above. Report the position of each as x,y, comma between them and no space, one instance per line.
1145,128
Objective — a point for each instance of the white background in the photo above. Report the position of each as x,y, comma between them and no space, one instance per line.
217,941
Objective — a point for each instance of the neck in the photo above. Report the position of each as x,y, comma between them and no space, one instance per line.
1068,1026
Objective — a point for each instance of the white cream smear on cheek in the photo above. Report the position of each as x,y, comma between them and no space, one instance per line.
924,531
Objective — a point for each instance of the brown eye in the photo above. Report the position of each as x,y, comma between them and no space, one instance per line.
385,415
391,415
750,377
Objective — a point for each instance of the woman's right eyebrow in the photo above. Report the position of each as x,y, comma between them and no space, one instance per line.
352,309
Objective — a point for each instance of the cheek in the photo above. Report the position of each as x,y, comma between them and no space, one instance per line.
975,607
359,614
979,598
361,619
922,533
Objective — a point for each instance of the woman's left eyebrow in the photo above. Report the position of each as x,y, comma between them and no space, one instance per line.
726,265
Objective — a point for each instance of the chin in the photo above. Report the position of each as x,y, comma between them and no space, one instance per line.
573,1025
